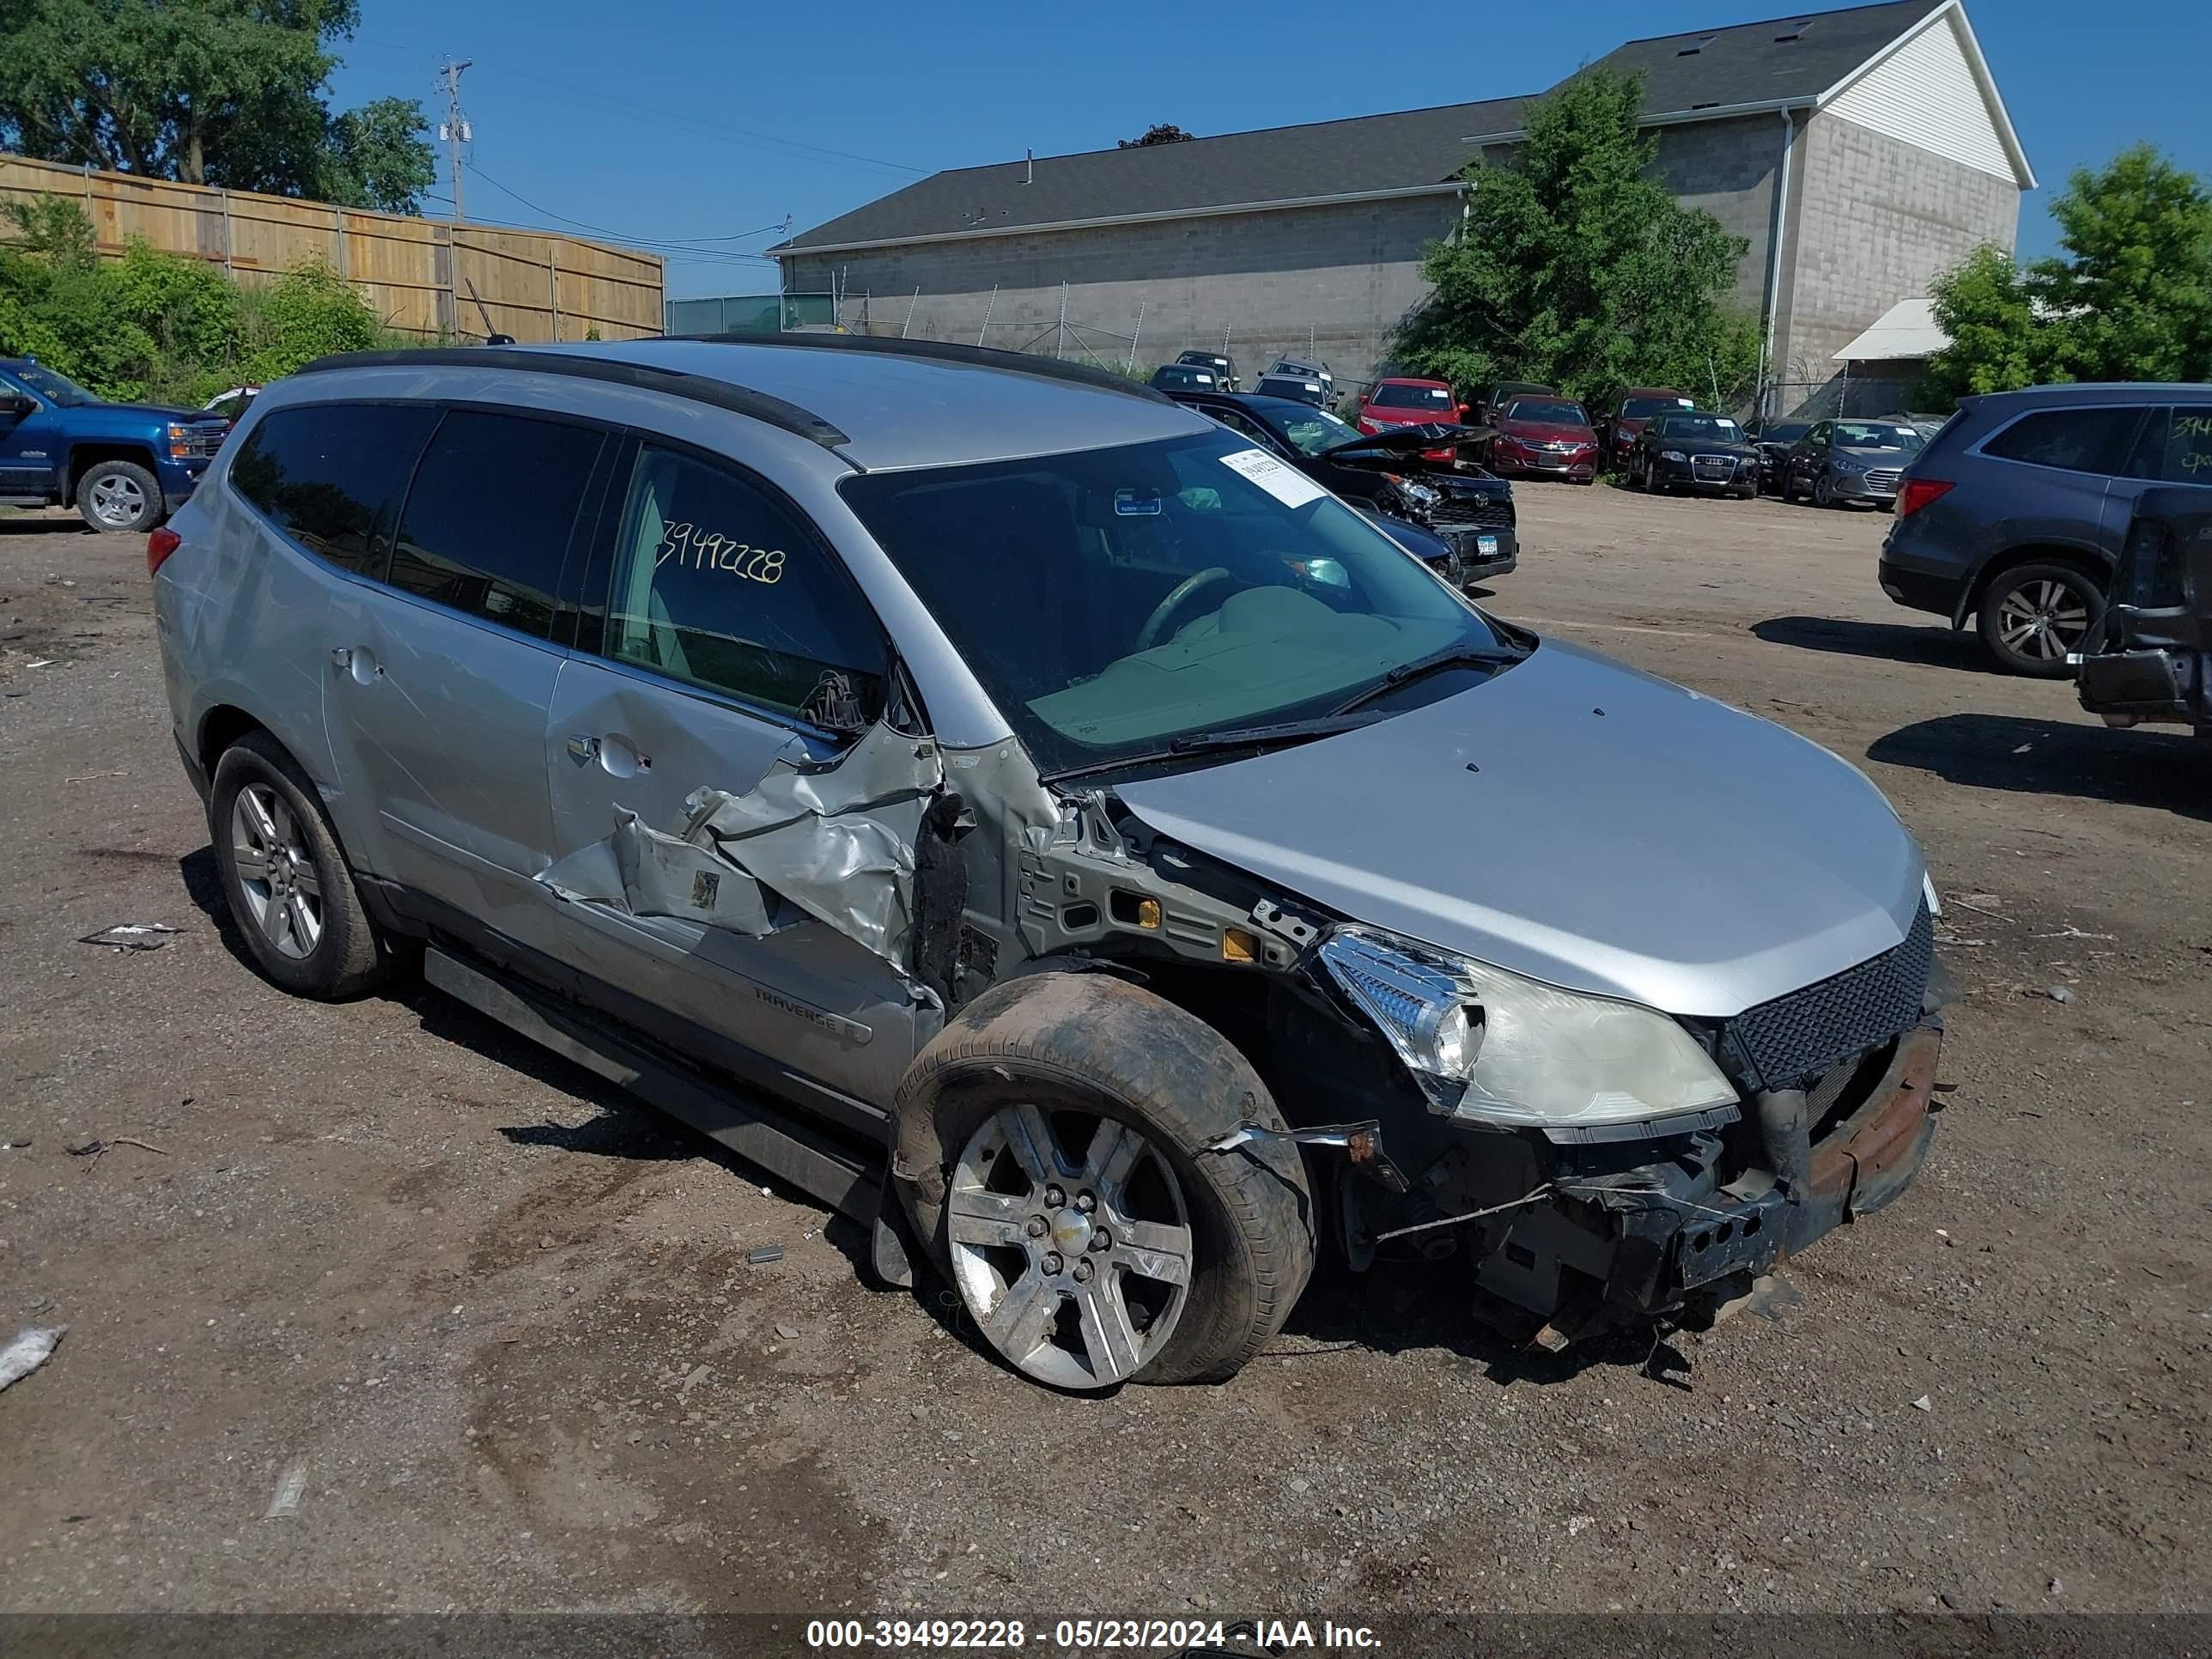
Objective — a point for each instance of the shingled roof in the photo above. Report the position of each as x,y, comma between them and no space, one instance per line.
1794,58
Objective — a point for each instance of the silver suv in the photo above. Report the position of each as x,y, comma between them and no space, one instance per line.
1022,813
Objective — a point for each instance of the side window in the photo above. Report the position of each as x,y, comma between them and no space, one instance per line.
331,474
471,539
717,583
1818,437
2176,446
2072,440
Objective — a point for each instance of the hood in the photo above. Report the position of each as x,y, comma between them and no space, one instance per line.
1547,432
1418,540
1393,444
138,414
1877,457
1670,849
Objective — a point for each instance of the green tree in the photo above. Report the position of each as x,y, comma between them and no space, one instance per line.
1578,268
207,92
2127,297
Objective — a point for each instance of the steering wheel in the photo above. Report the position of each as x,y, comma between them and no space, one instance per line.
1155,624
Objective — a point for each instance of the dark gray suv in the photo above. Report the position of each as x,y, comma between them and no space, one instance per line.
2013,516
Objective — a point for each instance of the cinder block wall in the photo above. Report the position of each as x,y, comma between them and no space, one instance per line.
1727,168
1342,277
1877,219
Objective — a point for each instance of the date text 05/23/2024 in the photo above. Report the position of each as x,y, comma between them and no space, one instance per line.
1082,1635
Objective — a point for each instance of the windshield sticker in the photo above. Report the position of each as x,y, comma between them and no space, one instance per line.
1289,488
1136,503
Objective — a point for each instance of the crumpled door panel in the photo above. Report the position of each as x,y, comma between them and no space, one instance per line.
831,841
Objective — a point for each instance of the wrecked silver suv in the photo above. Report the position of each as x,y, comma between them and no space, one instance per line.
1046,828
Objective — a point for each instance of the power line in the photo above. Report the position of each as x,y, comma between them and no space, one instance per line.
720,129
691,246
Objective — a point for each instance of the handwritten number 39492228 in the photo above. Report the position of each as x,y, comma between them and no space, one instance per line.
700,549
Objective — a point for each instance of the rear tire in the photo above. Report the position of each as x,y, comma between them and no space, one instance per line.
287,881
2031,616
120,498
1093,1064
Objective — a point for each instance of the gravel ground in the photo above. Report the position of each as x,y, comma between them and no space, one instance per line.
493,1328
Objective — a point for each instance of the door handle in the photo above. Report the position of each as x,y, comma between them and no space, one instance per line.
342,657
618,758
357,662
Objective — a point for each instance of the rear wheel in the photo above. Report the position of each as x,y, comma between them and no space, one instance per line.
2033,615
289,889
1092,1238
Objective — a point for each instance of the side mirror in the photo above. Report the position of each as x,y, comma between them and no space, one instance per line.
19,405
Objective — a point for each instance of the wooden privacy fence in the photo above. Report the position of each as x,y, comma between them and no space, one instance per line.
417,273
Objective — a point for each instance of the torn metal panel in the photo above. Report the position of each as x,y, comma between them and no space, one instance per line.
835,842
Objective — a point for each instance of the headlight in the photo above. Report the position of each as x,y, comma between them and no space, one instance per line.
1673,455
1845,464
1491,1047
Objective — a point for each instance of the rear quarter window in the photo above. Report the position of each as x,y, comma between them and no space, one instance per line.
2070,439
331,474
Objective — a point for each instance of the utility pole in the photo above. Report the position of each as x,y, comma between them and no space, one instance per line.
453,132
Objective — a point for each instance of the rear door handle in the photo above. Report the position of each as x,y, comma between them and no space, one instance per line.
584,747
356,660
618,758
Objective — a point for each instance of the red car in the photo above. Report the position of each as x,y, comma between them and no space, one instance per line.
1550,436
1405,402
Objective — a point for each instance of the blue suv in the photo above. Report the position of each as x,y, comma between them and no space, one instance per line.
123,466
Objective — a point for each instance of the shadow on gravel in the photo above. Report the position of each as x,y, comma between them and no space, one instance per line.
1933,646
1399,1308
17,523
202,879
2165,770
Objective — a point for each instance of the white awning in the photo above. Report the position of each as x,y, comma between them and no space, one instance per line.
1907,329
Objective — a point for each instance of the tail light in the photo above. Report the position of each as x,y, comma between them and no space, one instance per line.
1917,493
159,545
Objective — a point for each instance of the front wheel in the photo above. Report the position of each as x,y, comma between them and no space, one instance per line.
1824,494
1058,1126
2033,616
119,495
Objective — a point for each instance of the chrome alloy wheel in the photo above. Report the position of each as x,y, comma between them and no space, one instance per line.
1075,1267
118,502
275,871
2043,620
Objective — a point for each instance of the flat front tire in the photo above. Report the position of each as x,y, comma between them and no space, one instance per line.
1054,1142
288,886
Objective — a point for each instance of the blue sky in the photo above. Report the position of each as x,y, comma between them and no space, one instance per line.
701,125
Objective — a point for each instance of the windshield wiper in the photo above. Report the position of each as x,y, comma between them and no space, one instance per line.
1451,657
1206,743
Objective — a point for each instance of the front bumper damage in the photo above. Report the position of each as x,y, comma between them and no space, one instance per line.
1620,1234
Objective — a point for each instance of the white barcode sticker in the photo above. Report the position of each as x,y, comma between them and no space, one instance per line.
1286,485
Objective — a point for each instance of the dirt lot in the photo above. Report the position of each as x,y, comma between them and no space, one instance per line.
497,1330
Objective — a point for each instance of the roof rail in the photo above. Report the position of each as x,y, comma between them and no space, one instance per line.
945,352
646,377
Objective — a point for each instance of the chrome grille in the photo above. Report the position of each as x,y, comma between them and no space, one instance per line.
1884,479
203,440
1780,1044
1712,469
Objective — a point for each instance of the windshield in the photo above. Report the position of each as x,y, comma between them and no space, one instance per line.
1547,412
1863,435
1412,396
1643,408
1112,600
1718,428
1310,431
54,388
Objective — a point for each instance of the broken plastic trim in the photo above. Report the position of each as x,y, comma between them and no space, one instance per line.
834,841
1362,1143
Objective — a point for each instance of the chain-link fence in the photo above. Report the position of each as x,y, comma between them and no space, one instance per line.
1840,397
